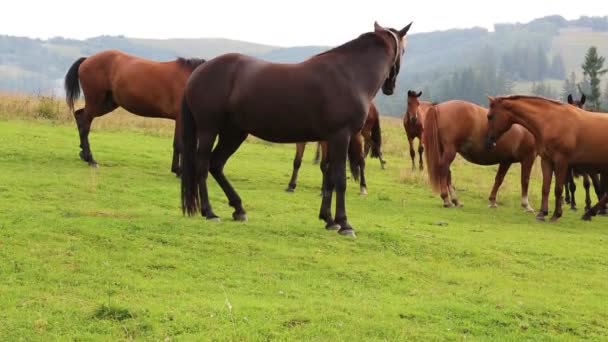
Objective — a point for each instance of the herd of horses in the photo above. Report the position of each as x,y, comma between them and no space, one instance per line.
328,99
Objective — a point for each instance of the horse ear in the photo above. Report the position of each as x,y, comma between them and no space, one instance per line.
419,93
491,99
583,99
570,100
404,30
377,27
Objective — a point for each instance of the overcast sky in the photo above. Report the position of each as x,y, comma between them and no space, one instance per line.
276,22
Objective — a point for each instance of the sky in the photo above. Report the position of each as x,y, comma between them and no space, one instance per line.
275,22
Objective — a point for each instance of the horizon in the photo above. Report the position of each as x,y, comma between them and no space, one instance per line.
221,21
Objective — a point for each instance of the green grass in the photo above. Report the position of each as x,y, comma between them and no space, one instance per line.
105,254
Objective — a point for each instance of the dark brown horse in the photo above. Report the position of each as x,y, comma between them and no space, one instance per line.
370,136
583,147
112,79
461,127
325,98
413,123
573,173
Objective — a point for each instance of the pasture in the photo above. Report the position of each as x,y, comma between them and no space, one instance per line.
88,254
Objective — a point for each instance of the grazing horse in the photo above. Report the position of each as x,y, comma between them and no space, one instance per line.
112,79
572,173
372,136
413,123
461,127
583,147
324,98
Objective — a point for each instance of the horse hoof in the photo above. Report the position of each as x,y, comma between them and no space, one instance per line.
540,218
213,219
290,189
347,232
586,217
602,212
448,205
332,226
554,219
492,206
528,209
363,191
240,217
93,164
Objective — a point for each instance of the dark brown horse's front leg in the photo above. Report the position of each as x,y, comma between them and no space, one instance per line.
297,162
83,121
327,190
338,149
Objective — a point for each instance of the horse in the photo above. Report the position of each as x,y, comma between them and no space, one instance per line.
461,127
112,79
572,173
413,123
583,147
324,98
371,136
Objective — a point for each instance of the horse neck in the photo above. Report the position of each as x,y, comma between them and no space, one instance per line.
370,65
530,115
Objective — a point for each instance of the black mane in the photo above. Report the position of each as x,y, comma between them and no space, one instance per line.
190,62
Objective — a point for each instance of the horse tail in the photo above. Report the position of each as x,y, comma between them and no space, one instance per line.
190,196
72,83
355,148
376,139
432,151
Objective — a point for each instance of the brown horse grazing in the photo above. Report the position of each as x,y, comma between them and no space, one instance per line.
371,134
461,127
413,123
583,147
572,173
112,79
324,98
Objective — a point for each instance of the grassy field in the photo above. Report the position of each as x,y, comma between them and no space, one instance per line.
105,254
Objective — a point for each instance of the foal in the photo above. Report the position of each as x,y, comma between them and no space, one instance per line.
413,123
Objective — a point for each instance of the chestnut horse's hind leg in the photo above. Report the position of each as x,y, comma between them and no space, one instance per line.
560,177
587,185
83,121
547,169
500,176
230,138
297,162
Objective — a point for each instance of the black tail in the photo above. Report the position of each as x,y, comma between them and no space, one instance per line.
355,152
190,196
72,84
376,140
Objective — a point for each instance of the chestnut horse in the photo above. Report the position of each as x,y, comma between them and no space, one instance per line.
461,127
324,98
413,123
371,136
570,187
583,147
112,79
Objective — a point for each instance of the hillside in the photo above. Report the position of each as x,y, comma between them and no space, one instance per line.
510,52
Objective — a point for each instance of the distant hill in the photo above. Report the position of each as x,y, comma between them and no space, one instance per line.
431,59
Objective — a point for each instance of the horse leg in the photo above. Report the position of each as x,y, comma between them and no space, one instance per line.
571,185
297,162
547,169
175,163
338,149
362,183
317,154
587,185
526,170
420,152
327,190
452,190
569,180
205,145
500,176
601,204
83,121
560,170
230,138
603,210
449,154
412,153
